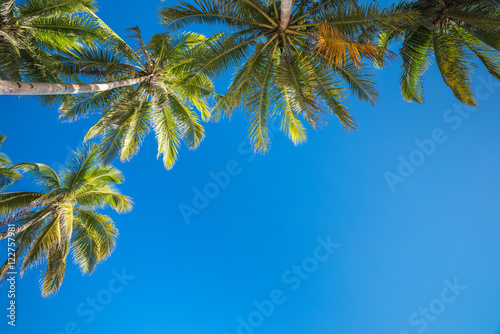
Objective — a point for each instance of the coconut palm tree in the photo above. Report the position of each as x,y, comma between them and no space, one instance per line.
163,102
32,31
456,32
46,225
7,174
284,67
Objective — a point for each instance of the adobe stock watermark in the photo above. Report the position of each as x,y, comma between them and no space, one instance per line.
88,309
453,117
11,275
219,180
421,319
292,278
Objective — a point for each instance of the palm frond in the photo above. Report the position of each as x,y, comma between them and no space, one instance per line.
297,76
451,58
289,120
486,54
168,132
415,56
223,53
359,81
330,90
355,19
209,12
193,131
94,240
335,47
136,130
258,104
27,10
55,268
44,175
103,230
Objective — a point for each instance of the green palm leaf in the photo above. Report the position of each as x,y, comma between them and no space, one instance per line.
451,58
415,56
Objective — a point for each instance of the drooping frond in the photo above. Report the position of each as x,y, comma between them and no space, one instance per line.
290,122
296,74
489,56
55,267
193,132
359,81
452,60
168,132
330,90
258,104
415,56
104,230
136,130
94,240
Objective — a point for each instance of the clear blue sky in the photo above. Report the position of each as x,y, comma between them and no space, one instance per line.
396,251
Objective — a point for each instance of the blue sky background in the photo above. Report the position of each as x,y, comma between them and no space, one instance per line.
396,247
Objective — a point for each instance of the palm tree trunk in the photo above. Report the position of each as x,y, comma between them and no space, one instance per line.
48,211
46,88
286,12
23,227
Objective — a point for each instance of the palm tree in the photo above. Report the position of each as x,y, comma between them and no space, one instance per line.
32,31
455,31
163,102
281,59
7,174
46,225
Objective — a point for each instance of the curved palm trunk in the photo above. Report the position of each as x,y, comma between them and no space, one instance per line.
286,12
23,227
46,88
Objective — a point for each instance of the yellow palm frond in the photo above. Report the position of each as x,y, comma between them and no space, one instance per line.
337,48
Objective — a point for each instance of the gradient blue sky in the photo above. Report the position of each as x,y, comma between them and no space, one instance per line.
397,248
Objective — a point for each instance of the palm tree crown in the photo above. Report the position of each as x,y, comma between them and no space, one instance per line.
456,32
163,102
63,217
284,68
